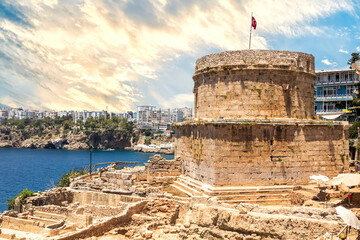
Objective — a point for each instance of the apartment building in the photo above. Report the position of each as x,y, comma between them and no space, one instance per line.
334,91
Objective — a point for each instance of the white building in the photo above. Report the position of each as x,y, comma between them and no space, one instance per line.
176,115
187,112
149,117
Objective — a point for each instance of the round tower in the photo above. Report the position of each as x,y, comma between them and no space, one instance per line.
254,84
253,123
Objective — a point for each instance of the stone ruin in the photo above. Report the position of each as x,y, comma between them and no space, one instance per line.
253,141
254,124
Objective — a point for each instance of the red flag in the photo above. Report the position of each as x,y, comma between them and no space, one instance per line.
253,23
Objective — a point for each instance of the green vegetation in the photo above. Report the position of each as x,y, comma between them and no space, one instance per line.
64,181
342,156
48,127
259,91
25,193
353,130
147,132
147,141
354,56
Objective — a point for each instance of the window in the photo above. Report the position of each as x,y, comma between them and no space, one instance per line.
332,78
329,91
329,106
350,89
351,76
342,77
337,77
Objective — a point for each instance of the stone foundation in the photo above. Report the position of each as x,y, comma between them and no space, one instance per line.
254,153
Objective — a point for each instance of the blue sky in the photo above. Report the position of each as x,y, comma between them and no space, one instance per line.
87,54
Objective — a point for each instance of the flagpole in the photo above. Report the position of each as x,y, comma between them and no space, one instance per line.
250,29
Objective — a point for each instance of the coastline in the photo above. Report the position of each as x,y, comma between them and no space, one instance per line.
73,141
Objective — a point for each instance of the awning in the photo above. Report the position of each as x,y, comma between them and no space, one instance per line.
332,116
349,179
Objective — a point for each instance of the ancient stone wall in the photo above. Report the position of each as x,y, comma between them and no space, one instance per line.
254,83
160,171
258,153
27,225
87,197
98,229
123,179
159,166
57,196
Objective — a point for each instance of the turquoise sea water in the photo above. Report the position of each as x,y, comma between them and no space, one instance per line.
39,169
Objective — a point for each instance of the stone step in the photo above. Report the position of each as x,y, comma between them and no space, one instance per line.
262,201
214,191
192,186
175,185
263,195
193,183
187,189
253,197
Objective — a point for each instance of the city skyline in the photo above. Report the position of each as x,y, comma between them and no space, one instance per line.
75,55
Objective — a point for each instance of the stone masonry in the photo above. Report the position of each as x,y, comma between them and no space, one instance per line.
261,83
254,124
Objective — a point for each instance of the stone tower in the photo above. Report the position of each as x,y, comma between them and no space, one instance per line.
254,122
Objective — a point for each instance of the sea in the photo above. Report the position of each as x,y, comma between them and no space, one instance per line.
40,169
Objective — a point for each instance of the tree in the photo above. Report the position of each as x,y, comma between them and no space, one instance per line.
101,119
64,181
353,130
354,56
67,125
115,119
90,123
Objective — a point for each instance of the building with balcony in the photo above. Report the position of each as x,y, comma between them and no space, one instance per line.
334,91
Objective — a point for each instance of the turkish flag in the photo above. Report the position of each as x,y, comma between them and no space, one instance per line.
253,23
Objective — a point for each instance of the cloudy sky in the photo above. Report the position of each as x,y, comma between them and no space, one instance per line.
89,54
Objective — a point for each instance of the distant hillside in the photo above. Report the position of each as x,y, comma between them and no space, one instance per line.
4,106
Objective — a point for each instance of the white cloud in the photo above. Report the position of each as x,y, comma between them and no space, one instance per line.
343,51
327,62
358,49
86,54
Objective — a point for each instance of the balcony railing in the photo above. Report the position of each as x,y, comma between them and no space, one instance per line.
328,111
349,81
335,97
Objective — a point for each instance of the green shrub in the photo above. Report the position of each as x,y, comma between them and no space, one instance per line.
64,181
353,130
25,134
147,141
25,193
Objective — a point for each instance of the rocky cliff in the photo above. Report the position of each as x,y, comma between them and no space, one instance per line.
116,139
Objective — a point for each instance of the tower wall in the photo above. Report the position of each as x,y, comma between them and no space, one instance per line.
255,84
